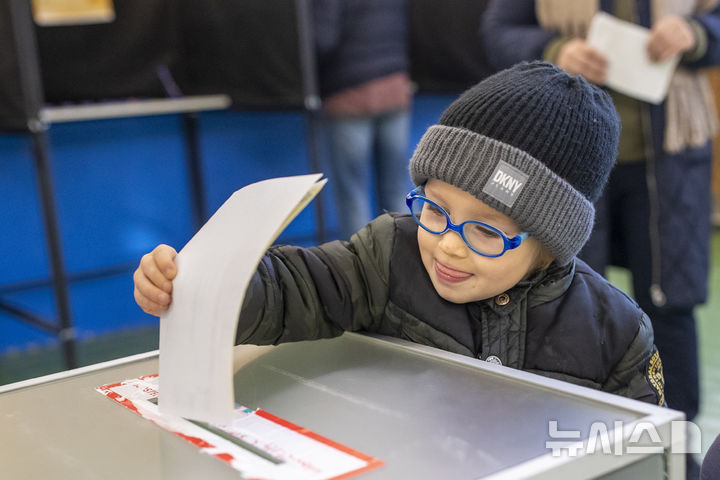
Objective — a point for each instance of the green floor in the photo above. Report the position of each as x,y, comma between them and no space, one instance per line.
709,339
33,363
43,361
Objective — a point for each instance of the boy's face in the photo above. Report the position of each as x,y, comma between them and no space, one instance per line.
459,274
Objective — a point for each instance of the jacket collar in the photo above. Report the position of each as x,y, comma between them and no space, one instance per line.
542,286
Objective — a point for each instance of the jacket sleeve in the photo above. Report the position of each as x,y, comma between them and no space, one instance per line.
639,373
511,33
319,292
710,24
326,25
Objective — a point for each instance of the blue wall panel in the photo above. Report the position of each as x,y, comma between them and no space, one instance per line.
22,239
16,335
122,187
242,148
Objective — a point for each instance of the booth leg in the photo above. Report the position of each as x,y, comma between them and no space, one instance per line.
57,267
195,172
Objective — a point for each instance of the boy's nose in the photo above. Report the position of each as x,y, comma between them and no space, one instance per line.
452,243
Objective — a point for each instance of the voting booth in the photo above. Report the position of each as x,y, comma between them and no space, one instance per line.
148,57
421,412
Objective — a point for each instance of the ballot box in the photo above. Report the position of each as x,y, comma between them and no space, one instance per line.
424,413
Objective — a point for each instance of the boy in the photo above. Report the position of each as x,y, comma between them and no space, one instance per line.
512,168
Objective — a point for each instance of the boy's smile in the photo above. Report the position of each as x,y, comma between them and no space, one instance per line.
460,275
450,275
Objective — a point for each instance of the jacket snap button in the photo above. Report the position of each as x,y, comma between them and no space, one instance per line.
494,359
502,299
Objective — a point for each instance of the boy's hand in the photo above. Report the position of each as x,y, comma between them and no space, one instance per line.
669,36
578,57
153,280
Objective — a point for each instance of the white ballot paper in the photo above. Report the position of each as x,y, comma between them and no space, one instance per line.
257,443
630,70
197,332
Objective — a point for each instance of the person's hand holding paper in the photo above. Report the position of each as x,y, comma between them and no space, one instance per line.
640,61
153,280
207,280
578,57
669,36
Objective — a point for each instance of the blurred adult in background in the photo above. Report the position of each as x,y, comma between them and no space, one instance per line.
711,463
365,87
654,217
446,53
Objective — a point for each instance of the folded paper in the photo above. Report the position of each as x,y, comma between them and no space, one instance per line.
197,332
630,70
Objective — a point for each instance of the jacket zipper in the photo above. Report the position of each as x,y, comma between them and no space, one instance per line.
657,296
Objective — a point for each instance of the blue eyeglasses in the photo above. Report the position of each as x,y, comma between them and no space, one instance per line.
481,238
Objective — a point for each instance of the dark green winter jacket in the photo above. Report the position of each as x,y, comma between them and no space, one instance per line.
566,322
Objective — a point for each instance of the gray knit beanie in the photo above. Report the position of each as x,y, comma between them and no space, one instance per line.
532,142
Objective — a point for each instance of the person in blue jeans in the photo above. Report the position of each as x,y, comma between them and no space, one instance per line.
365,88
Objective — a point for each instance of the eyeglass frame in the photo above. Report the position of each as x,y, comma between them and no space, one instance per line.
508,243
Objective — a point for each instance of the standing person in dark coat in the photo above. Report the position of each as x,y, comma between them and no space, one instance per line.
363,70
711,464
654,217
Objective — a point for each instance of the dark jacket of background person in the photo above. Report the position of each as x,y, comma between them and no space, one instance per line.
565,322
711,463
681,259
358,41
447,55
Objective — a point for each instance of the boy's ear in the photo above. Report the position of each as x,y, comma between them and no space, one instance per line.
545,258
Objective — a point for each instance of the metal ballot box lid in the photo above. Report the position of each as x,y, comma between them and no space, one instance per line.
425,412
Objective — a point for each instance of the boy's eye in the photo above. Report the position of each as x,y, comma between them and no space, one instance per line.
434,210
480,231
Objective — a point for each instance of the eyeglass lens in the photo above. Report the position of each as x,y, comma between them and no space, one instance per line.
435,220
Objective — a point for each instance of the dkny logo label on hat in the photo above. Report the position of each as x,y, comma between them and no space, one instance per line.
506,183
